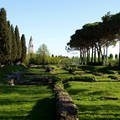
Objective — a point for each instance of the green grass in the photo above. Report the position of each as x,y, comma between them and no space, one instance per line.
63,74
35,70
32,73
91,102
36,102
26,103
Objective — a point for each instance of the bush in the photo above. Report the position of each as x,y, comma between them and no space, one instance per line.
112,62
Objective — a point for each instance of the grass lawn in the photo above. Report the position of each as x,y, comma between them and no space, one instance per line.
63,74
26,103
94,99
37,102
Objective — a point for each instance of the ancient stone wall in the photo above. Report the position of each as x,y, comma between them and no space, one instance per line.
65,108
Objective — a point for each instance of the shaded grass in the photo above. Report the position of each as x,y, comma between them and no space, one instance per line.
101,69
44,113
26,103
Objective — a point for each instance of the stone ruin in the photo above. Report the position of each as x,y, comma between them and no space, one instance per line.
11,82
49,69
66,109
14,78
38,81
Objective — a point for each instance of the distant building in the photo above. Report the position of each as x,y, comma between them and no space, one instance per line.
30,46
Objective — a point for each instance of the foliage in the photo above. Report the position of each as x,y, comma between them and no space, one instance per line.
112,62
42,54
13,46
11,49
93,39
111,56
23,48
4,38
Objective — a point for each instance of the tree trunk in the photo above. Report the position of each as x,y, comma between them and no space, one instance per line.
106,54
81,56
88,55
80,60
92,55
84,57
104,59
99,53
119,53
95,55
98,56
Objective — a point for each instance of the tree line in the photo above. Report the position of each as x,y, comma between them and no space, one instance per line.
43,57
12,45
93,39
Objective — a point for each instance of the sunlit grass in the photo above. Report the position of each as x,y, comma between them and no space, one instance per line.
63,74
91,102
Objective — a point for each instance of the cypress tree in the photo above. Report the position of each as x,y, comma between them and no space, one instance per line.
10,41
4,38
13,45
24,49
18,42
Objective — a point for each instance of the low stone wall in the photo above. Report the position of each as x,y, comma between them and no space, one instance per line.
65,108
14,78
38,81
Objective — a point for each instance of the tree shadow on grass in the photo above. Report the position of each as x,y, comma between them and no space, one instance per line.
104,70
67,85
88,67
93,69
13,118
94,112
43,110
76,91
21,89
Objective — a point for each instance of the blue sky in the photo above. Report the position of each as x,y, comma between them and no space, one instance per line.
53,21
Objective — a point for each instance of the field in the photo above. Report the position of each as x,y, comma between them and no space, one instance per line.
100,73
26,103
96,101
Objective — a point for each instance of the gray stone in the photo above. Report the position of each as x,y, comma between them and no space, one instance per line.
66,109
16,77
112,77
